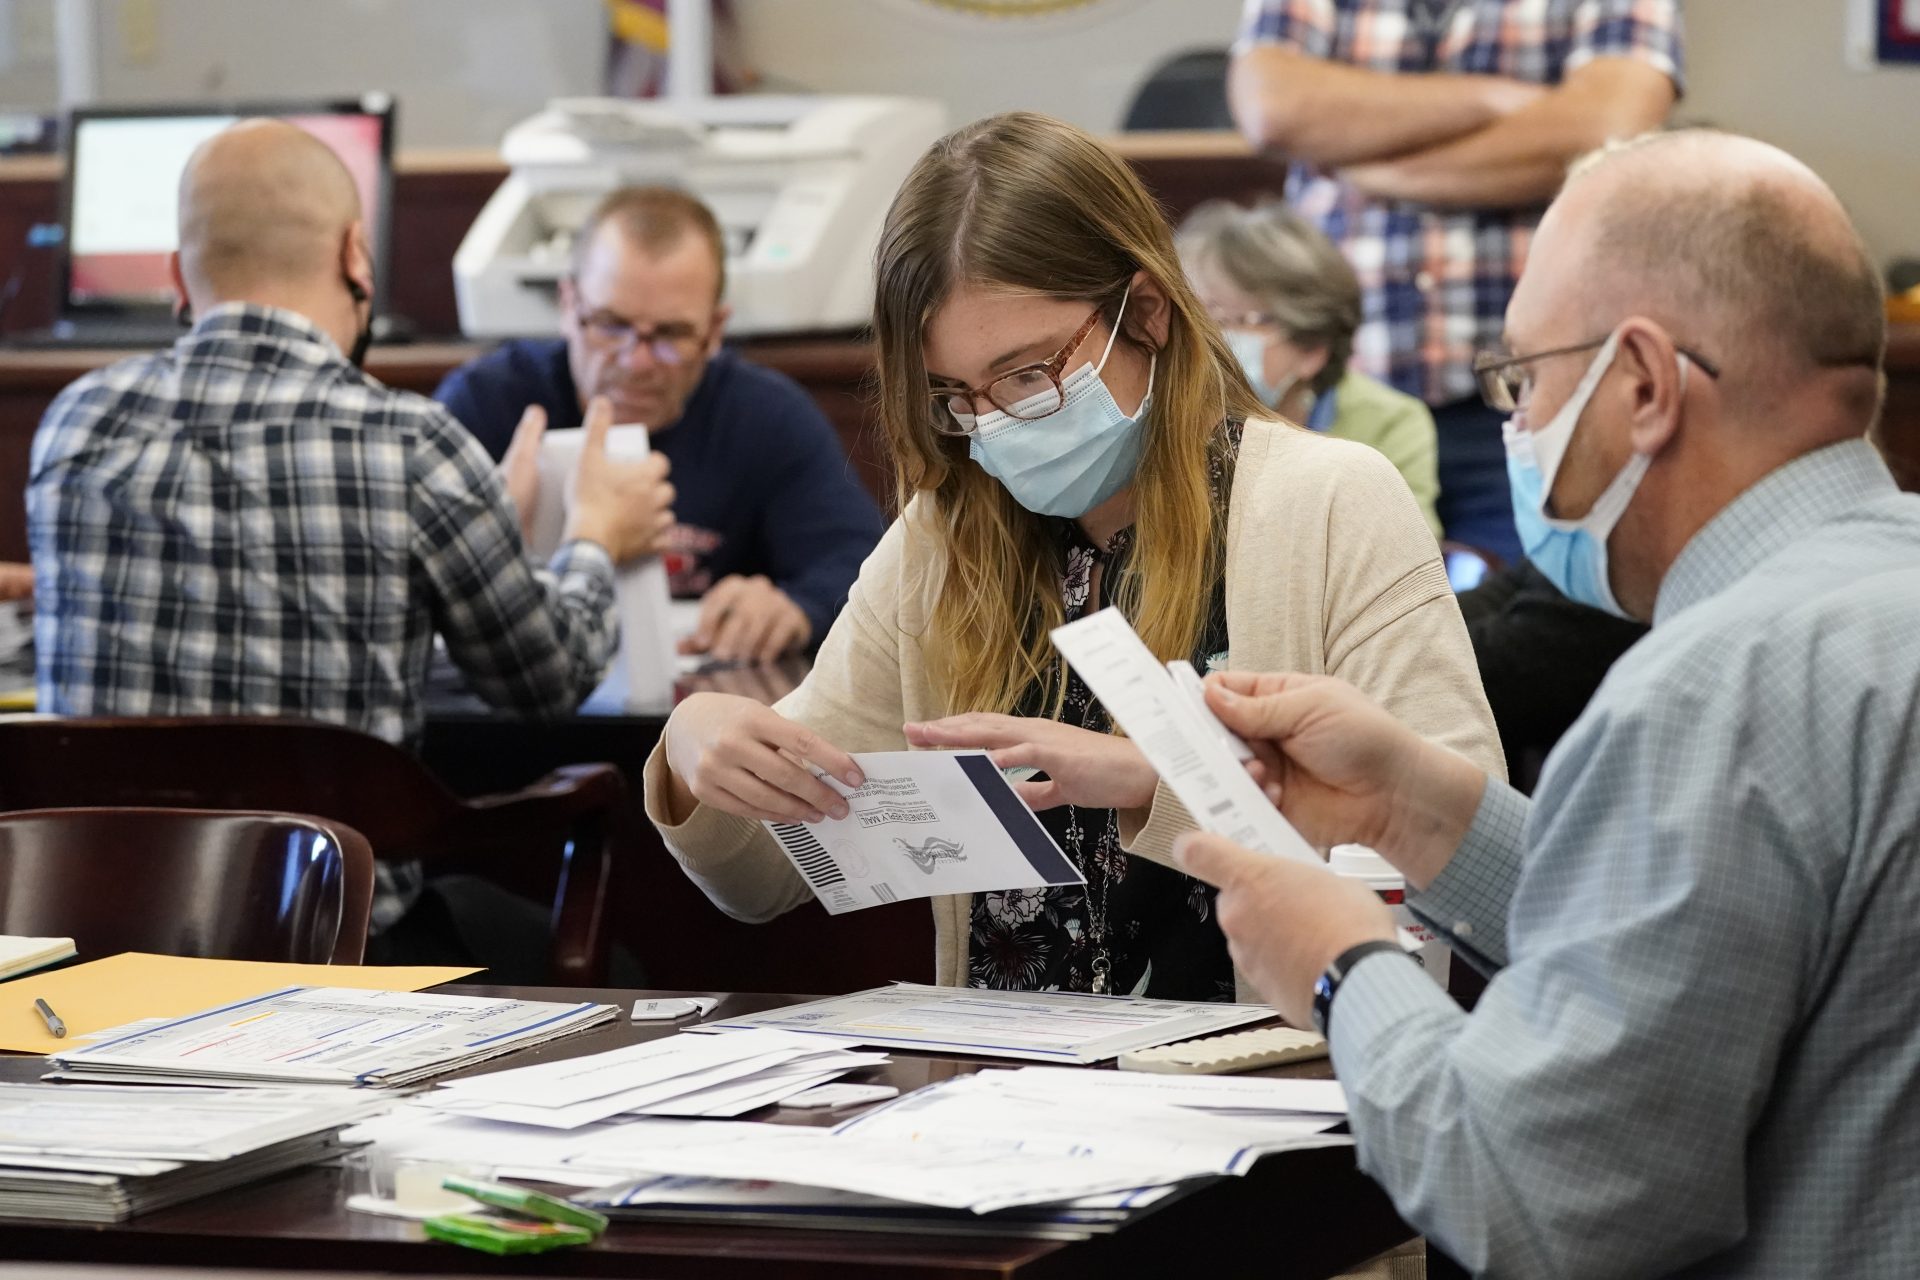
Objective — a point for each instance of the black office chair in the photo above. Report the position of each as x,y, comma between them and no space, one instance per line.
1186,92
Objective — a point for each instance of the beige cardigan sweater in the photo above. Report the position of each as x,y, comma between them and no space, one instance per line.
1330,567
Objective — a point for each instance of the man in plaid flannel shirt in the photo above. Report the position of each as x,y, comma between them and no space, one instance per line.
1426,138
248,524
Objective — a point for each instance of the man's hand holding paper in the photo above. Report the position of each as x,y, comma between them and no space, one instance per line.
1342,770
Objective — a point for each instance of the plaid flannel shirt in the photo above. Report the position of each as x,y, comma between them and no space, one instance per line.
1435,282
246,524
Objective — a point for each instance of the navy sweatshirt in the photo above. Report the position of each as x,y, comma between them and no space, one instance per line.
762,485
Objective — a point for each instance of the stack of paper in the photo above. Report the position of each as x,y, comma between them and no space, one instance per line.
1048,1152
23,955
680,1075
741,1202
1050,1026
101,1155
1000,1139
326,1035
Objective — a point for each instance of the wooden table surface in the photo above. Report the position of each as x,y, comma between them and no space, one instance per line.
1306,1213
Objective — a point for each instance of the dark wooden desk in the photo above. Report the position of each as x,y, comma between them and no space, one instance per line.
1308,1213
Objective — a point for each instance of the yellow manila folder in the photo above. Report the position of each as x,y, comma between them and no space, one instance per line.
134,985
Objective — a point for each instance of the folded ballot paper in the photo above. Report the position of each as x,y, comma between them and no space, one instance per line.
643,671
104,1154
678,1075
1164,711
325,1035
925,823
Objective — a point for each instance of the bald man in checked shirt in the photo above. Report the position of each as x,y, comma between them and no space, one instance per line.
247,524
1699,1053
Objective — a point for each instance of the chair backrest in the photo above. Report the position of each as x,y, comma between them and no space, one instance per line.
228,762
556,839
236,886
1188,91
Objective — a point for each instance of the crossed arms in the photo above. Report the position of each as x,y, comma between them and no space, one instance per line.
1454,141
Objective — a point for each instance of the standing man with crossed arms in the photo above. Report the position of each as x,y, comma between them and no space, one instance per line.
1426,137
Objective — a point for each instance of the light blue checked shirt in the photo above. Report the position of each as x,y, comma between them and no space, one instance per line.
1701,1052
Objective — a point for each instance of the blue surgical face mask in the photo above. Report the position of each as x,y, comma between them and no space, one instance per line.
1571,553
1250,349
1076,457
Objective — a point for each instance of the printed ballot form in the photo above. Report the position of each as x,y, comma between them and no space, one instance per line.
1181,738
925,823
1045,1026
643,671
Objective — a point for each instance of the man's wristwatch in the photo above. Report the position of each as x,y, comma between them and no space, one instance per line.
1329,983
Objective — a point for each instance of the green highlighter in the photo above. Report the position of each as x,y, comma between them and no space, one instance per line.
544,1222
527,1204
503,1235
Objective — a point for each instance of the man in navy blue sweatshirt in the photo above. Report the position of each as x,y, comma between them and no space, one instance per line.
770,525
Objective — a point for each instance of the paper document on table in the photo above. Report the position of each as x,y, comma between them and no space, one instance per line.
331,1035
1280,1095
133,985
53,1122
24,955
678,1075
643,671
1050,1026
926,823
957,1175
991,1110
1180,737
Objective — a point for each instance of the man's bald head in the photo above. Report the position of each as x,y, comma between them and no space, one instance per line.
263,205
1737,248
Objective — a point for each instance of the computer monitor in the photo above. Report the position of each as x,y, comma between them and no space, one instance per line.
120,199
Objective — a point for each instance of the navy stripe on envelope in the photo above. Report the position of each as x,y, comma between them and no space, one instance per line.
1028,835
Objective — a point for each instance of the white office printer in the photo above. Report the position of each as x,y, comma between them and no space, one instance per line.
800,186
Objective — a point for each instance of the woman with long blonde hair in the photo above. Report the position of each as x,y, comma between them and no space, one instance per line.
1069,431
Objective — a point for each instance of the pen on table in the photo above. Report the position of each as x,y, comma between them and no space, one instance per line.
55,1027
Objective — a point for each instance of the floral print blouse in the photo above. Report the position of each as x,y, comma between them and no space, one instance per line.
1148,929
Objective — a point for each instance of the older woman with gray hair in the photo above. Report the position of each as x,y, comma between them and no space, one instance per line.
1289,304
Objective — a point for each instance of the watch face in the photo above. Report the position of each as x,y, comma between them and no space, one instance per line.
1322,1001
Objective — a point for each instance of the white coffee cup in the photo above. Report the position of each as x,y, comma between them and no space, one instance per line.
1357,862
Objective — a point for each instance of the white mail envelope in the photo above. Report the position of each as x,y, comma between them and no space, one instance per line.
643,670
925,823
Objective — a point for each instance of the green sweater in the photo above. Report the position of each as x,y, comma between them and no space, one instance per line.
1372,413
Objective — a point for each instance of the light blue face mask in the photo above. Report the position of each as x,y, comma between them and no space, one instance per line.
1571,553
1250,349
1076,457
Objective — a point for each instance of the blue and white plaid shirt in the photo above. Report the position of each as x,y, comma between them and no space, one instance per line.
1434,283
1701,1053
246,524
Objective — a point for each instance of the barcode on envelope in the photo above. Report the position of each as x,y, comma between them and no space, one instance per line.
808,854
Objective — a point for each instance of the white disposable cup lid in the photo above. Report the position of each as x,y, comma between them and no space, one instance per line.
1357,862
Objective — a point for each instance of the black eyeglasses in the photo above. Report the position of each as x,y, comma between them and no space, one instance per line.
672,343
1505,380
